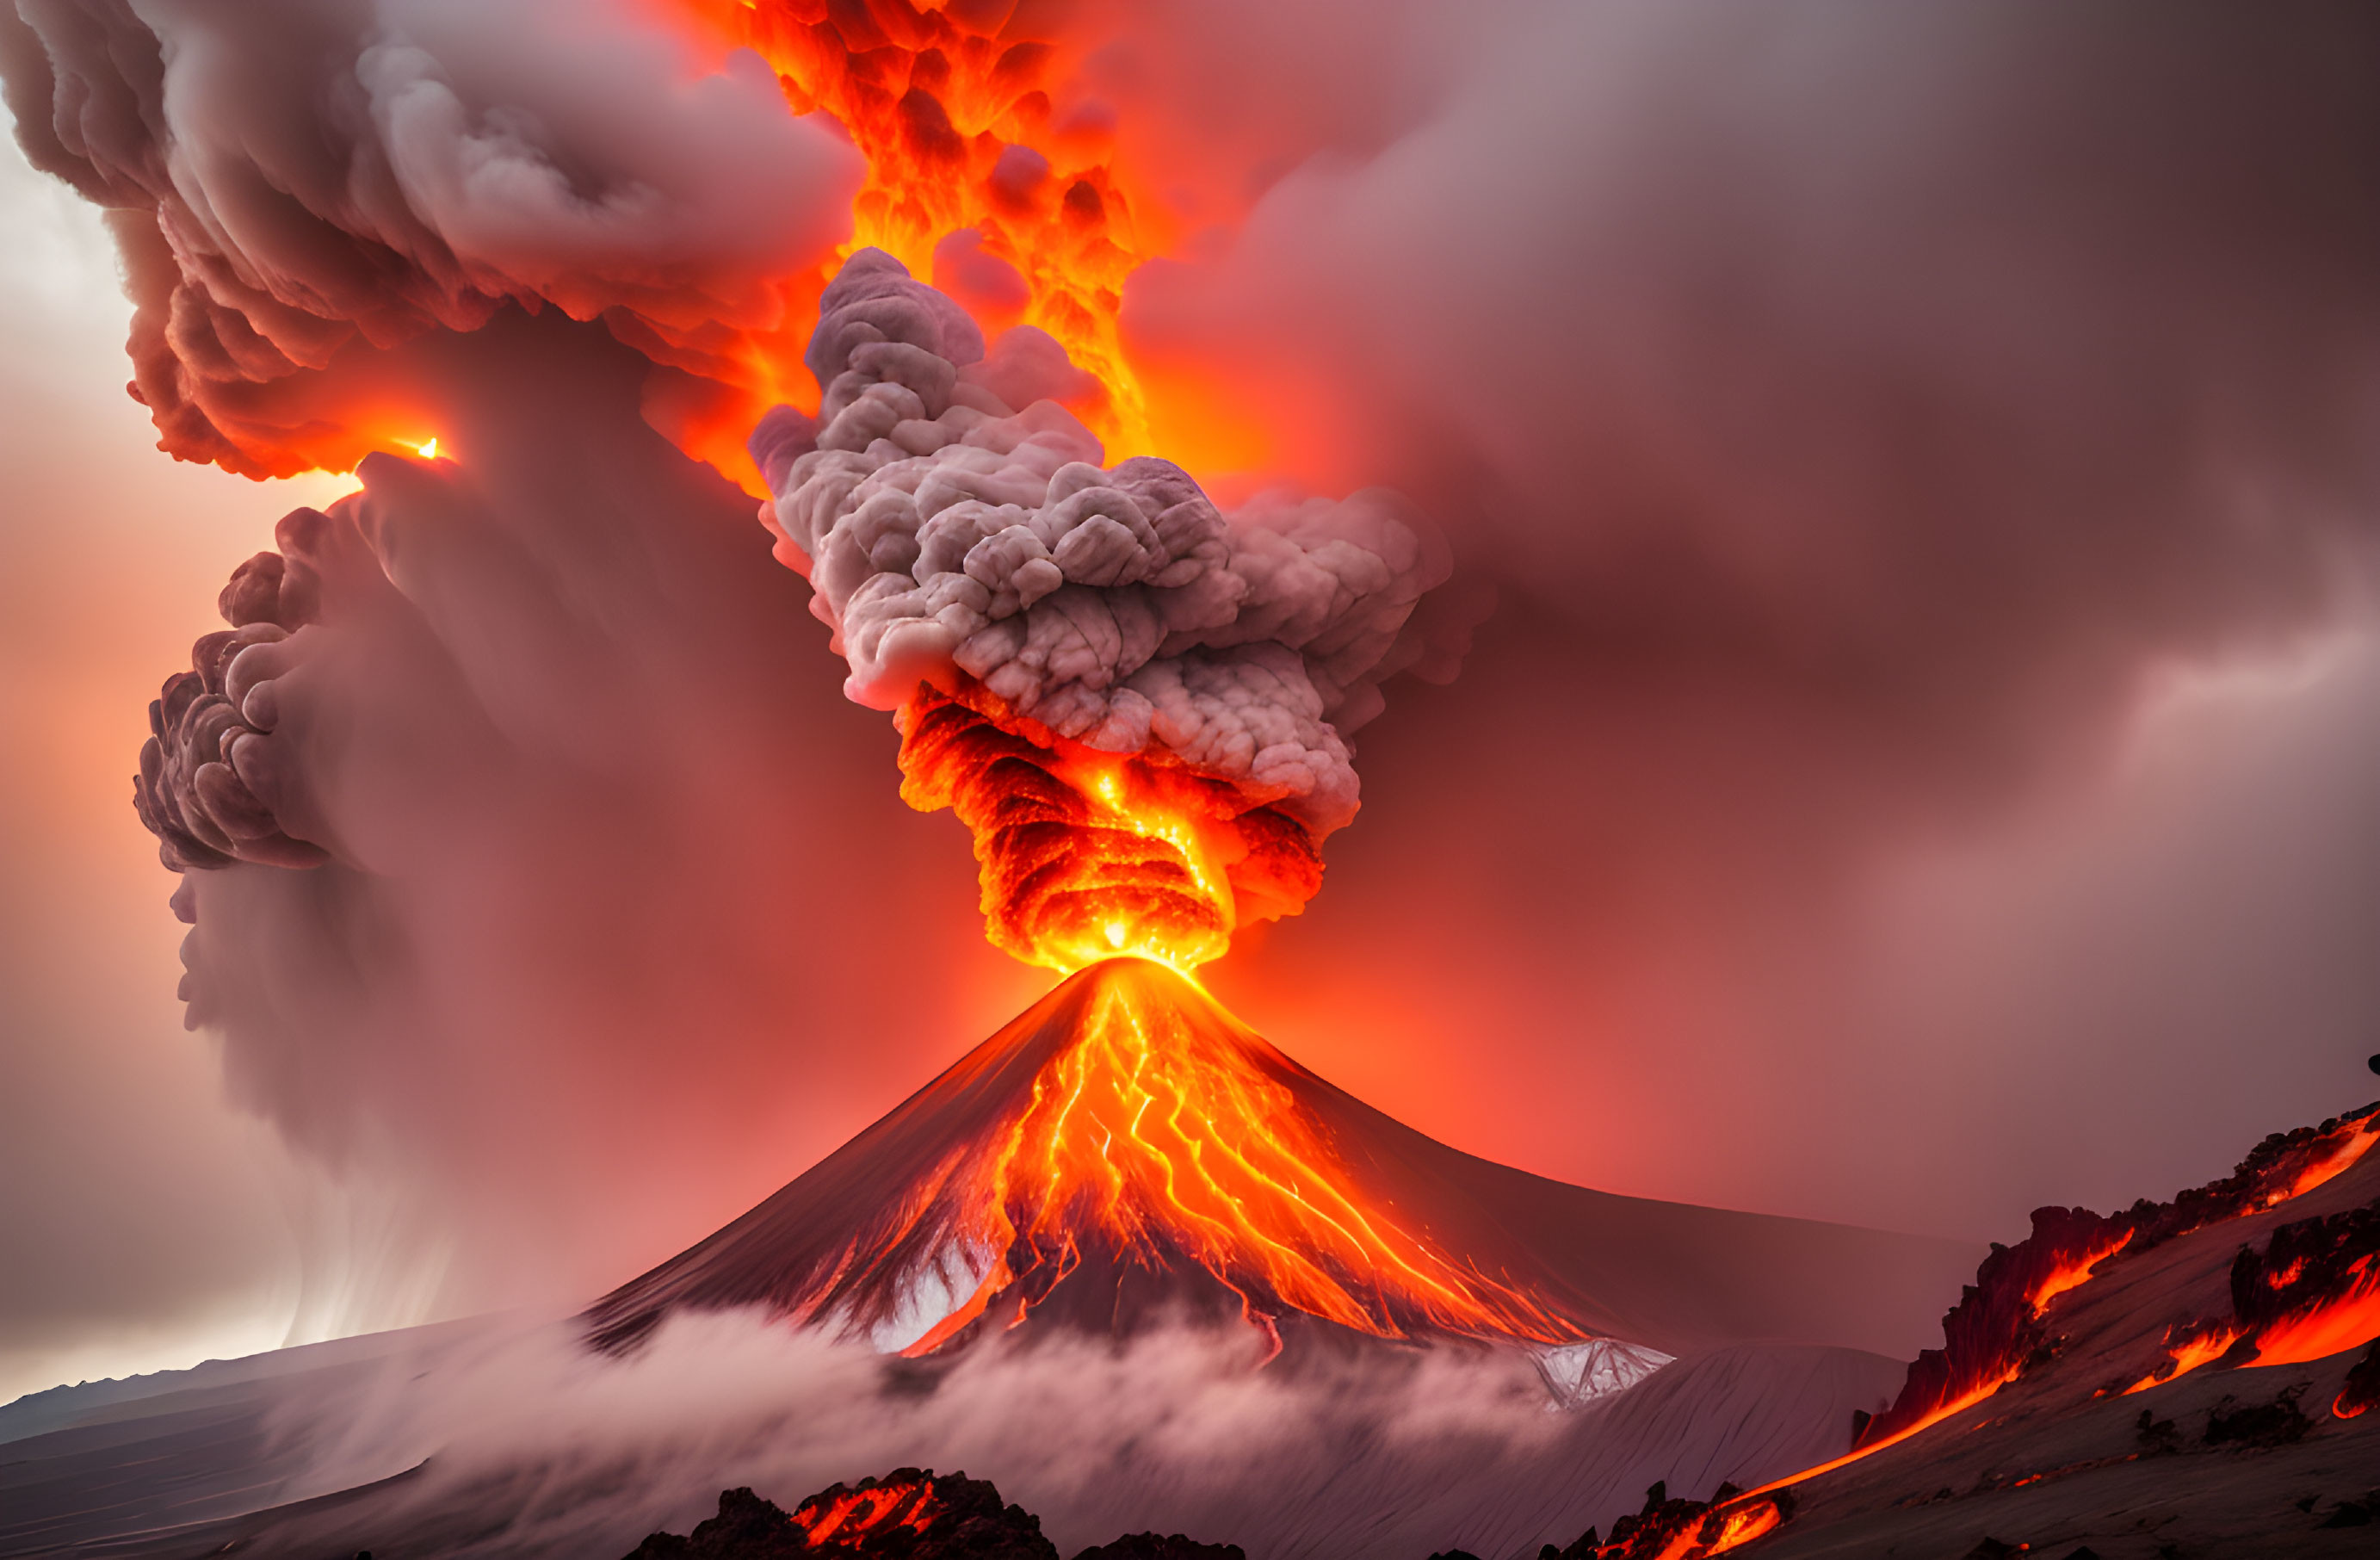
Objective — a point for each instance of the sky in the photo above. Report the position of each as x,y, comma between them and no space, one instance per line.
131,1180
1900,816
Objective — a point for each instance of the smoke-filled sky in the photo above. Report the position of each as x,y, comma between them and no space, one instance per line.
1923,760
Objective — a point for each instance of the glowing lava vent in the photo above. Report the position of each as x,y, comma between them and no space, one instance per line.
1126,1151
1137,701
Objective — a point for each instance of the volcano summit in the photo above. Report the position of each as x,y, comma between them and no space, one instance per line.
1127,1151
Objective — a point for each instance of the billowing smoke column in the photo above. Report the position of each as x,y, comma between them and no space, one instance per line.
1136,702
500,759
212,778
447,160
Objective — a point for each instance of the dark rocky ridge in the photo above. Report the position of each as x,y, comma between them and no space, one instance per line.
908,1514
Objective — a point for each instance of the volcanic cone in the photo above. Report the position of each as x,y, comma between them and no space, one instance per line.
1127,1151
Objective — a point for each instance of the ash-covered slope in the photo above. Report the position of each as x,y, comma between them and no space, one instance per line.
1127,1148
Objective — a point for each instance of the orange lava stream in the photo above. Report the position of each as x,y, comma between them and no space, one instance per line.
2342,1322
2348,1321
950,102
1154,1139
2354,1148
1957,1406
2187,1357
1742,1527
1753,1519
2074,1274
2068,1275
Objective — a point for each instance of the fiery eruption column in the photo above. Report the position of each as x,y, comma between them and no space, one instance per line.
1132,701
974,175
1136,702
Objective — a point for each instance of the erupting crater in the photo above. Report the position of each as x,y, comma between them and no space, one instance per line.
1086,856
1128,1131
1127,1154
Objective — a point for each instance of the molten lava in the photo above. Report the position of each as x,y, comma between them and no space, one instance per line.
2313,1292
1155,1137
2188,1347
951,105
1127,1152
843,1517
2313,1289
1085,855
1683,1530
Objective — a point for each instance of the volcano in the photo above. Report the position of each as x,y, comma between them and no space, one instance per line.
1126,1151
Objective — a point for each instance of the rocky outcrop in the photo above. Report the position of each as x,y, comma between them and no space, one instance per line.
909,1514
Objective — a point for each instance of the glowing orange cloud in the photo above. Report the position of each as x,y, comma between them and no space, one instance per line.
1086,855
951,106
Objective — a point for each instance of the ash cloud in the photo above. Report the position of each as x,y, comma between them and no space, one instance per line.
579,969
1960,360
1858,409
296,185
951,528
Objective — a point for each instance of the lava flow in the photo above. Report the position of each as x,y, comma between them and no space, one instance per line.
2313,1292
1156,1137
1129,1135
847,1517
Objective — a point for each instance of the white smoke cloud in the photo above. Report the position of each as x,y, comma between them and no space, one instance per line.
945,530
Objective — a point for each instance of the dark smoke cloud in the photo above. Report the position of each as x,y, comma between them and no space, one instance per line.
947,530
298,182
582,967
1855,406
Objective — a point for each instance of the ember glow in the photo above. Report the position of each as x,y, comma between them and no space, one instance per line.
1087,855
843,1517
1124,1154
1165,1132
972,178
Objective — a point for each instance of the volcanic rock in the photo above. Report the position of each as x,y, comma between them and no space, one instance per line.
909,1514
1169,1546
2362,1387
2217,1454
